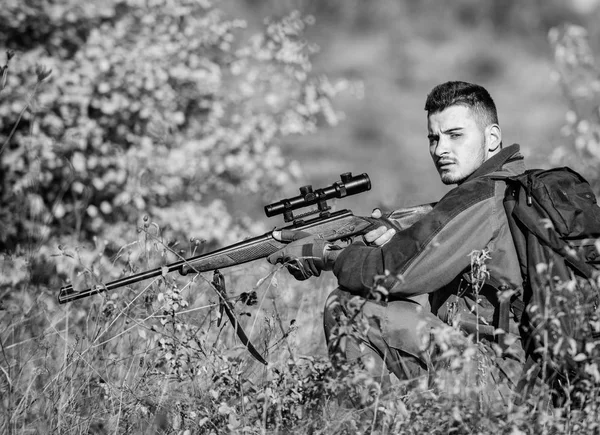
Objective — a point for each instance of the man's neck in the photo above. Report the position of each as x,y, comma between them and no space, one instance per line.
495,162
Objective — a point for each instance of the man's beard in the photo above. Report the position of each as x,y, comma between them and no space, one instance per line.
452,179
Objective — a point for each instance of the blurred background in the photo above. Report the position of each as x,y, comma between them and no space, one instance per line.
398,51
197,114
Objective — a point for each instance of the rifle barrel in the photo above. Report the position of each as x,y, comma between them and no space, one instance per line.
238,253
331,227
68,293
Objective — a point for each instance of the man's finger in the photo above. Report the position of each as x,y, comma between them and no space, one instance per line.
373,235
376,213
385,237
276,257
287,236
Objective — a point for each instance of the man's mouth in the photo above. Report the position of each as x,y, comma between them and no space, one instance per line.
444,164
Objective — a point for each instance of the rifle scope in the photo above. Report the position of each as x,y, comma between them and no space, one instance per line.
349,185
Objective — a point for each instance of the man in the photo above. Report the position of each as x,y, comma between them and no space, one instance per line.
424,269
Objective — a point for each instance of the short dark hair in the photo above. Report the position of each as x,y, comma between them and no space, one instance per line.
476,97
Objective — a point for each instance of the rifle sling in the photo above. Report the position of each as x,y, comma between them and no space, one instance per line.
219,285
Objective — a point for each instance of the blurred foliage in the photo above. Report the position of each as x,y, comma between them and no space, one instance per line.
435,18
579,77
152,107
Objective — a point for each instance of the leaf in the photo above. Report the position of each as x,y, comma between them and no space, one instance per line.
224,409
234,422
456,415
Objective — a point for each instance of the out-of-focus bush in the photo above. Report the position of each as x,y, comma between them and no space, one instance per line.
152,107
579,77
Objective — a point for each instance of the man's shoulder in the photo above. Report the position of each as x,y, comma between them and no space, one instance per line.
509,160
479,192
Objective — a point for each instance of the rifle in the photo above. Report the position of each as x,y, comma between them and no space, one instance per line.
332,226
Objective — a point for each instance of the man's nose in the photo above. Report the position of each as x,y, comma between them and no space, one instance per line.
441,147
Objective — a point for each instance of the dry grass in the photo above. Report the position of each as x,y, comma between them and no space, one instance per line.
131,362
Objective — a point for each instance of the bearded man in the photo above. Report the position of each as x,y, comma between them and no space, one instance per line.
424,269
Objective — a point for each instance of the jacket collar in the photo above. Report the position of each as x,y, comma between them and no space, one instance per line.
500,161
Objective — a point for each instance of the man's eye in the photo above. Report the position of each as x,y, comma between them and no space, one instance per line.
455,135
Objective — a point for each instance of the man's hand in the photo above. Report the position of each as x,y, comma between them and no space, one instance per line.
381,235
304,256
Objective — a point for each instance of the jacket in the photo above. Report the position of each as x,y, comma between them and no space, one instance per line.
433,255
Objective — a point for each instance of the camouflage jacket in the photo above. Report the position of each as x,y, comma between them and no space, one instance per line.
433,256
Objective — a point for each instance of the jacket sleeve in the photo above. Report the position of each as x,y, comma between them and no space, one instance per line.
430,253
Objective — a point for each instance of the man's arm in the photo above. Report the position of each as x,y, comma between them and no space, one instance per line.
429,254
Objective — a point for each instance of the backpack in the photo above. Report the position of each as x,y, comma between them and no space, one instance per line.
554,220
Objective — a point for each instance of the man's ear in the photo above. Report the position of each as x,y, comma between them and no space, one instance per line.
493,136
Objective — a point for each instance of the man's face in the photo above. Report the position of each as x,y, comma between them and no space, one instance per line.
457,144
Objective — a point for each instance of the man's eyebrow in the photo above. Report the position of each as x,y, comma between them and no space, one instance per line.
448,131
452,130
